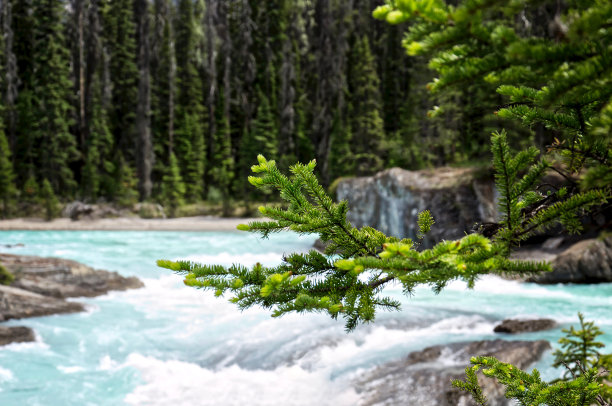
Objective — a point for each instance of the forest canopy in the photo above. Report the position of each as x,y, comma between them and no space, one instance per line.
98,96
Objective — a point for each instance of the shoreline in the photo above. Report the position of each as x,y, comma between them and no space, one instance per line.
199,223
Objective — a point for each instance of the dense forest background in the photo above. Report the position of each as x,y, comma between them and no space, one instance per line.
170,101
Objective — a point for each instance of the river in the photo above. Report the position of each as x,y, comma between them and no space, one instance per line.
167,344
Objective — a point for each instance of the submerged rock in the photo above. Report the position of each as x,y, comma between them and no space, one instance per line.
512,326
62,278
18,334
390,201
424,377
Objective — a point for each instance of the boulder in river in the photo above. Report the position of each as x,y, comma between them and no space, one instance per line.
424,377
587,261
62,278
17,334
513,326
390,201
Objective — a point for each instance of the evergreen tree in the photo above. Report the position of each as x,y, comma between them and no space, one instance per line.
120,39
262,137
367,128
8,192
49,201
124,183
144,143
173,188
189,143
52,108
163,70
30,194
97,177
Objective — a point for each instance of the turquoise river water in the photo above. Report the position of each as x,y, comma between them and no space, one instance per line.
167,344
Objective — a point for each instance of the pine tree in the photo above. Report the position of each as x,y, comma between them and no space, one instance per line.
124,183
262,137
144,143
163,70
365,117
49,200
120,40
190,146
8,192
97,175
173,188
52,107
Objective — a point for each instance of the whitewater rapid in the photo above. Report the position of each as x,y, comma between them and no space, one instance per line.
167,344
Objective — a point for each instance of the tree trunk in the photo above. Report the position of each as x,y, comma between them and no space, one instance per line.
144,147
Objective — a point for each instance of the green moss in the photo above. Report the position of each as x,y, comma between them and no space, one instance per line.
6,278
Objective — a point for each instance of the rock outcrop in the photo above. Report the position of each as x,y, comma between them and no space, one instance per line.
390,201
513,326
42,284
424,377
62,278
587,261
18,334
18,304
79,211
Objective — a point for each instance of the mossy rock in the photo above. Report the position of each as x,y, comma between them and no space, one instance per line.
6,278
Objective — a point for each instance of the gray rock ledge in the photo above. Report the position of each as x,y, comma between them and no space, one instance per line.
424,377
514,326
62,278
18,334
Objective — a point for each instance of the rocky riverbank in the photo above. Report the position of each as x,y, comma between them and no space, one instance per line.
42,284
423,378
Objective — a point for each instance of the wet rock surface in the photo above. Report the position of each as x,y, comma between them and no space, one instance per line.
18,304
62,278
390,201
513,326
424,377
41,286
19,334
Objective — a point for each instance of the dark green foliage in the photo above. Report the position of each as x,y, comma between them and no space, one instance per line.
365,116
173,188
6,278
120,40
30,193
191,117
125,181
261,138
223,162
51,104
49,201
97,174
8,191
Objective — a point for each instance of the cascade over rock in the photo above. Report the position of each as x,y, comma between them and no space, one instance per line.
390,201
